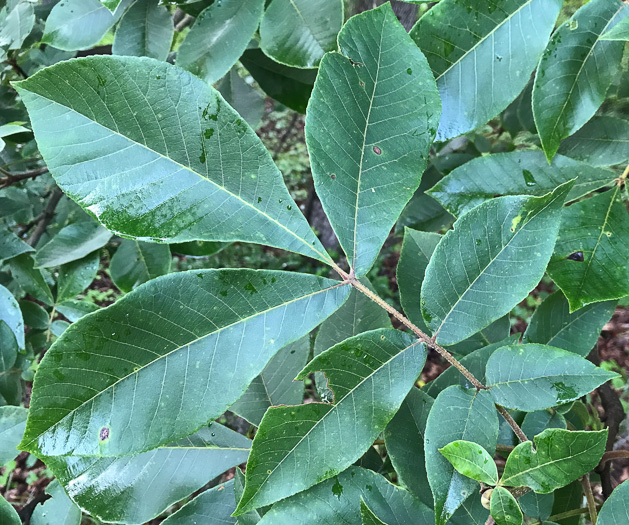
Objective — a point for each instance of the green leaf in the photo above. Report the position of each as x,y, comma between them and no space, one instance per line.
136,262
482,54
112,5
145,30
288,85
515,173
73,242
615,510
536,422
298,33
250,518
591,254
73,310
566,499
12,425
619,32
385,361
8,342
537,506
417,248
76,276
11,314
367,516
275,385
11,245
242,97
575,72
212,507
489,246
457,414
34,315
471,460
560,457
504,508
17,25
368,144
603,141
552,324
534,377
164,174
105,401
404,439
8,515
219,36
77,24
496,332
58,510
30,278
337,500
198,248
135,489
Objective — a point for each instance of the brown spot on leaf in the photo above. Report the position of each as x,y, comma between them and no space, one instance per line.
377,150
104,433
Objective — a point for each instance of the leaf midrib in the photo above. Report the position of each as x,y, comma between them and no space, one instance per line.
134,372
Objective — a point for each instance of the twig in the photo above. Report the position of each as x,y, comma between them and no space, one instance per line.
184,22
516,428
589,496
12,178
614,454
16,67
284,138
46,217
564,515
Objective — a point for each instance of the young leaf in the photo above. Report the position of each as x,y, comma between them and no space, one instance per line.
503,244
515,173
212,507
457,414
534,377
73,242
184,168
77,24
560,457
275,385
199,339
590,259
385,361
242,97
404,439
218,37
417,249
615,510
298,33
575,72
145,30
619,32
76,276
482,54
135,263
337,500
603,141
504,508
367,516
368,143
58,510
12,425
11,315
153,480
471,460
288,85
552,324
30,278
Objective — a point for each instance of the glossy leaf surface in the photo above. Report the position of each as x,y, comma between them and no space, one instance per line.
456,414
576,71
591,254
367,516
76,276
534,377
504,508
183,167
135,489
515,173
12,424
615,510
145,30
491,244
298,33
552,324
219,36
136,262
11,315
199,339
471,460
384,361
212,507
482,54
73,242
369,127
560,457
603,141
337,501
58,510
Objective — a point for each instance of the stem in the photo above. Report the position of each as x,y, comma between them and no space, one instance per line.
47,215
587,489
614,454
564,515
10,178
516,428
